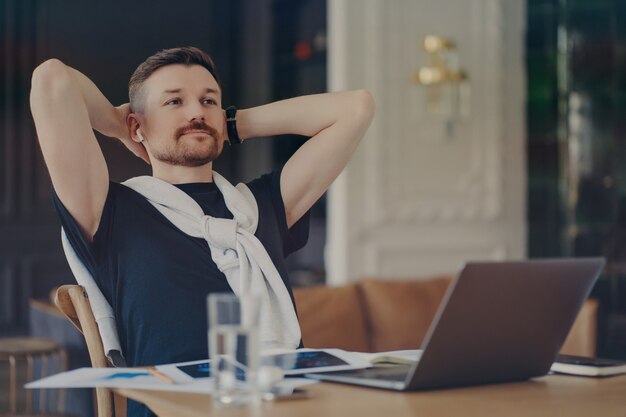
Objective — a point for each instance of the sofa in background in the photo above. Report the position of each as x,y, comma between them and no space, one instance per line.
381,315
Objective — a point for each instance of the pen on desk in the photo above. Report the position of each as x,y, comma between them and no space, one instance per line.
159,375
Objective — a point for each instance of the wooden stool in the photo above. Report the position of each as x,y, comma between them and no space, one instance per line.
30,350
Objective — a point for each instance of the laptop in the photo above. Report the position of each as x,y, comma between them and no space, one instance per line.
498,322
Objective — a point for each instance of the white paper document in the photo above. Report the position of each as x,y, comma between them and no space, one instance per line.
194,376
135,378
397,357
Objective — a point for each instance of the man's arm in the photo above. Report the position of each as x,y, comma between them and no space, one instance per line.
66,106
336,122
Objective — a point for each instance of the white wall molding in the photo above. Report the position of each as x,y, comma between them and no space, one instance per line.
408,175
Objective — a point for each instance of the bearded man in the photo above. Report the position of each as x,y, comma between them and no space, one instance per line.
153,270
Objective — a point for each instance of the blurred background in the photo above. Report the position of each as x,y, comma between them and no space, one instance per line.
499,131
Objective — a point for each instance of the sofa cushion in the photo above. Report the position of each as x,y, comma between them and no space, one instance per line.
581,339
332,317
399,312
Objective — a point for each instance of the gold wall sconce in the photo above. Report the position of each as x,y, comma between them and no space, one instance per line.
446,85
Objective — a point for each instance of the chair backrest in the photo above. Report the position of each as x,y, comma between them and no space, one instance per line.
73,302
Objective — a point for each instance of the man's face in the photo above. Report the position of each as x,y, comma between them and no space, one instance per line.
183,122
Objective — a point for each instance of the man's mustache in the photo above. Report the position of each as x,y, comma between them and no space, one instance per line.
196,125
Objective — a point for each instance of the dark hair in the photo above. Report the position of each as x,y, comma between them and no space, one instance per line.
185,55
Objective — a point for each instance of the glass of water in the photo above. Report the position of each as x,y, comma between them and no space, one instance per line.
234,347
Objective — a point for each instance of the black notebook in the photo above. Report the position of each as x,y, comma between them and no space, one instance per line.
580,365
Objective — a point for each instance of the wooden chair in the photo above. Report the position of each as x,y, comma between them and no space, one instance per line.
73,302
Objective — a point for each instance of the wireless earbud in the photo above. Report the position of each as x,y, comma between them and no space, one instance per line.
141,139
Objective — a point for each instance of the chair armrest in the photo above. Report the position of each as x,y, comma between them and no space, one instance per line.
63,301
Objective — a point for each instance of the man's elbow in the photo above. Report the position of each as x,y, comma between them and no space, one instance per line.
49,78
364,105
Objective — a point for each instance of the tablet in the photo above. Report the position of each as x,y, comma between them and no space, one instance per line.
297,362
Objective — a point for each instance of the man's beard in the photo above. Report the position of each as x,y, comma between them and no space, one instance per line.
191,155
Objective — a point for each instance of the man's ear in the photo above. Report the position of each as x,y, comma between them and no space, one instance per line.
133,123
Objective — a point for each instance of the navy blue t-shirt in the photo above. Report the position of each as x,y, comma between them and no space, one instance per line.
157,278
